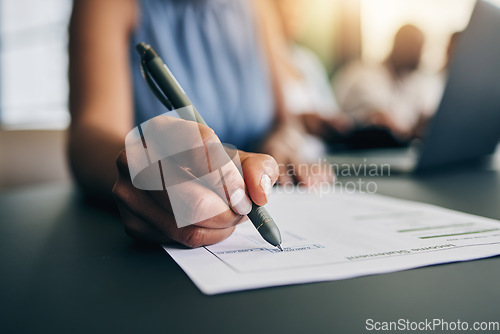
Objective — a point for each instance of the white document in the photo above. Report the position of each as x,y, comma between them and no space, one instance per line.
338,236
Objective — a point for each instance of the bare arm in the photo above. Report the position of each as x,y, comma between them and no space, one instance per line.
276,51
286,140
100,90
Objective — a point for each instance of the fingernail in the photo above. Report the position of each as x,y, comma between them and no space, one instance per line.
240,202
265,183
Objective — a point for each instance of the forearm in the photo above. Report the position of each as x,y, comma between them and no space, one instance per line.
276,52
92,153
100,96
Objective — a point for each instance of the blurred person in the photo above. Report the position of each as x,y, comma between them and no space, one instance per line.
217,52
391,96
306,90
434,85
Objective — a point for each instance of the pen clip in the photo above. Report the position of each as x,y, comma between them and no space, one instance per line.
154,87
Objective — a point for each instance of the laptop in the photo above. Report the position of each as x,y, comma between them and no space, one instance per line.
466,125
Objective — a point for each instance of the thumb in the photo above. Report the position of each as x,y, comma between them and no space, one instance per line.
260,172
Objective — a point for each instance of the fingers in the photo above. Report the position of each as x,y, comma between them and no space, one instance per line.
198,157
191,236
202,153
261,173
382,119
193,203
342,123
224,172
148,216
194,236
228,183
146,220
184,204
138,228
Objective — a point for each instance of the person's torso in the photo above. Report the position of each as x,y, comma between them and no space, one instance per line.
211,48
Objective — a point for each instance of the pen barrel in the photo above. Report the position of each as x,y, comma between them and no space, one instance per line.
265,225
168,84
170,87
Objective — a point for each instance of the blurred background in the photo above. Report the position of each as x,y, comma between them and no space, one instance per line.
33,64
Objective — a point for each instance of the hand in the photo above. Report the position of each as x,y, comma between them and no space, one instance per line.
421,126
285,144
384,120
194,192
326,128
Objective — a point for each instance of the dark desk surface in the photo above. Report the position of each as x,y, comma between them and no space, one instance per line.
68,267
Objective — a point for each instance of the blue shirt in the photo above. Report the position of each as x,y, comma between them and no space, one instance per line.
211,47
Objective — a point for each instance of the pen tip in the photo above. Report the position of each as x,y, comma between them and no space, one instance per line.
280,248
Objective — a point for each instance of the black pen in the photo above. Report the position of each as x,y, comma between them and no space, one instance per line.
170,93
